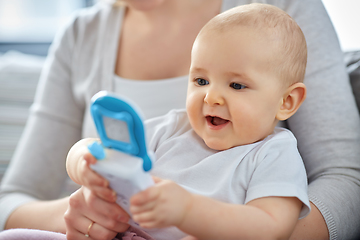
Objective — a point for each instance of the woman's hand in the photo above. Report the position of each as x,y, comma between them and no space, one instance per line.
93,181
78,163
89,214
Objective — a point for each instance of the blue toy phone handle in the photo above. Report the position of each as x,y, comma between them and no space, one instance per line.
107,105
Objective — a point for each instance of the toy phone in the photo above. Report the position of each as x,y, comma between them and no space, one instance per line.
122,155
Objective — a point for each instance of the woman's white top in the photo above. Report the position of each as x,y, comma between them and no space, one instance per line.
154,97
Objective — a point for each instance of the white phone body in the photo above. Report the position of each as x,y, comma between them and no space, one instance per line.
126,176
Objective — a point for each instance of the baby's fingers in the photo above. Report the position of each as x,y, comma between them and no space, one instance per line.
149,206
156,179
141,198
146,220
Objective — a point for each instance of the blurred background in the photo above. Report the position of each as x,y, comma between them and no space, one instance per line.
29,25
27,28
346,19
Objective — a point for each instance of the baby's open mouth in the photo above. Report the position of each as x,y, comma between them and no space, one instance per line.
216,121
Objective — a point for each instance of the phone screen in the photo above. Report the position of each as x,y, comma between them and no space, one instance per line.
116,129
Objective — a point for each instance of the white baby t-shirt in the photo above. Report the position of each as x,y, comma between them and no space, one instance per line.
271,167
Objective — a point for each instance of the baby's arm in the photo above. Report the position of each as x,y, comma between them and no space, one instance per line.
168,204
78,167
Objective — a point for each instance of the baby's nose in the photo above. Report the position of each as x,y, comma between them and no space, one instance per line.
214,97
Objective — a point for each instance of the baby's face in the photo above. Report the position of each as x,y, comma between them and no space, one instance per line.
233,96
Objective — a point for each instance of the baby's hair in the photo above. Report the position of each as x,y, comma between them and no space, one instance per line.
291,47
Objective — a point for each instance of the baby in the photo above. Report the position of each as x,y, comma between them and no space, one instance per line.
230,172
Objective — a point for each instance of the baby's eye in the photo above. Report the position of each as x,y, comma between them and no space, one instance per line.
201,81
237,86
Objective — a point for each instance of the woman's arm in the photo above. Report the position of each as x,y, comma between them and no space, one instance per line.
327,127
44,215
37,171
311,227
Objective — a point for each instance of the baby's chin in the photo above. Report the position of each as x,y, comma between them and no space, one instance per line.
218,146
223,145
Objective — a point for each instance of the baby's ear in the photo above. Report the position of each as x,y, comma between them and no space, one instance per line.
291,101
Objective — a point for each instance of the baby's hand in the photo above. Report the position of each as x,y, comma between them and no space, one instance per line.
94,181
162,205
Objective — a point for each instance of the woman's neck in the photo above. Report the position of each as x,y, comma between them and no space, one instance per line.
156,44
173,13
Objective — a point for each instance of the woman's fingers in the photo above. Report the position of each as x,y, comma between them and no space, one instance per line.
95,182
85,208
89,158
90,177
99,232
106,194
76,223
85,229
110,215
